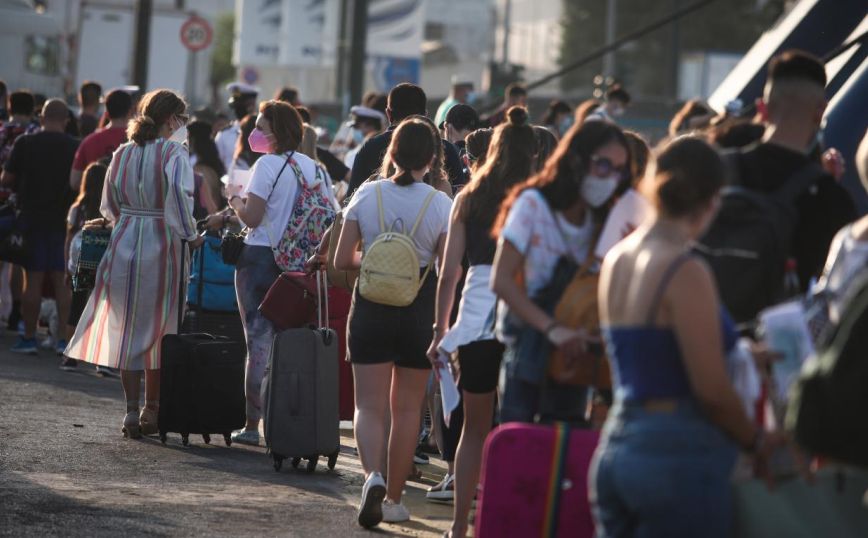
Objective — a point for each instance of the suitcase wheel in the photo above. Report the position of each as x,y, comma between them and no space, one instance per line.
311,464
333,459
278,462
227,438
185,439
163,437
295,462
206,438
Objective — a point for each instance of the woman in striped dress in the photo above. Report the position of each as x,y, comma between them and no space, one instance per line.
148,200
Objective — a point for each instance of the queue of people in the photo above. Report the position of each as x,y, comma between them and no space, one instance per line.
498,218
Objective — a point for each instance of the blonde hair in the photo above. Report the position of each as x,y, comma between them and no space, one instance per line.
308,142
154,111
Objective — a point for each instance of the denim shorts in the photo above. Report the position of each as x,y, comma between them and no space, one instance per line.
662,474
378,333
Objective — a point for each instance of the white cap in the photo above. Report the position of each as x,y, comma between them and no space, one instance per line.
240,88
461,80
366,112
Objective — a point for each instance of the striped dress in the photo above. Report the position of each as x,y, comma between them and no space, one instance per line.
148,196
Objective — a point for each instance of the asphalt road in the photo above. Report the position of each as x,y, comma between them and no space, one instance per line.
66,470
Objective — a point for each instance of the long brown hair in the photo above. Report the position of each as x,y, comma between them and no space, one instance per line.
242,146
509,162
154,111
90,192
561,178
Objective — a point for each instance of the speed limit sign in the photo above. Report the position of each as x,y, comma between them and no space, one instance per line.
196,33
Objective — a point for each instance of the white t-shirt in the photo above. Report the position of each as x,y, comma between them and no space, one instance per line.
278,208
404,203
629,212
531,228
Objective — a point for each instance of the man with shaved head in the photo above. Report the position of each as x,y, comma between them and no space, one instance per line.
38,171
792,110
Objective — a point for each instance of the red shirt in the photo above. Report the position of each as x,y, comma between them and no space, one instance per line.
97,145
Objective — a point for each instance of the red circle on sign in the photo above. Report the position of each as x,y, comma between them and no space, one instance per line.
196,33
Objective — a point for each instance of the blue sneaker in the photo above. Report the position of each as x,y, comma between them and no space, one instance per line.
60,347
28,346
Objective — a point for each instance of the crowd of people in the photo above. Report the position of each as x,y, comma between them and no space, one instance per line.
502,215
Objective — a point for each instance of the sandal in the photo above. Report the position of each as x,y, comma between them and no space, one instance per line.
149,417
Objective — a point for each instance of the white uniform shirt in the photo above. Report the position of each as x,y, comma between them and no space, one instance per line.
226,140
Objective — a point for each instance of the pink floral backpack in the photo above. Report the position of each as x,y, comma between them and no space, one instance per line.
312,214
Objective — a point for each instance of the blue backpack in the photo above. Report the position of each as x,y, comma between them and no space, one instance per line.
211,288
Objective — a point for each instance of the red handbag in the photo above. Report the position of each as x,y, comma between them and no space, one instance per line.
291,301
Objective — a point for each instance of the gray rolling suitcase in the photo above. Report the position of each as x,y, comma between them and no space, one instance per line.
300,392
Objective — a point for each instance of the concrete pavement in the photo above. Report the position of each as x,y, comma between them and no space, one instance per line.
66,470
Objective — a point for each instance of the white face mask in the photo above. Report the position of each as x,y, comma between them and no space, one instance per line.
596,191
180,135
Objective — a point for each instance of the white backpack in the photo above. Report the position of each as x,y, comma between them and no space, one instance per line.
390,268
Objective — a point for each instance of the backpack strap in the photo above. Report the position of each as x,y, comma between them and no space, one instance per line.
664,284
380,211
799,182
422,211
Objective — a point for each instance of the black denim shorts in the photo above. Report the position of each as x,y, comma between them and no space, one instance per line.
479,363
378,334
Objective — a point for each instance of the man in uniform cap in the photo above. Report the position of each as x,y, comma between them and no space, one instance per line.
242,100
367,123
462,92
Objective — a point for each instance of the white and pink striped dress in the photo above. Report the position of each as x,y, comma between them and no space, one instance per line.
148,196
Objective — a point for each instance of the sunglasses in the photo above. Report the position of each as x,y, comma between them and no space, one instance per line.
604,167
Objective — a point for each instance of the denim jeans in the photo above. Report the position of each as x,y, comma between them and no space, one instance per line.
255,272
522,400
663,474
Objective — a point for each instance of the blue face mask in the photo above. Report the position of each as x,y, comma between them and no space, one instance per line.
472,97
565,124
358,136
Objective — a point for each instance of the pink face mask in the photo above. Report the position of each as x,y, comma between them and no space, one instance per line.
259,141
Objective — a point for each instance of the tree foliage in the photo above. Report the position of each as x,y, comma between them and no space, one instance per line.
222,70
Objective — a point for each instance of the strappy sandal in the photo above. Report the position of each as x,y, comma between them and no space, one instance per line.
148,418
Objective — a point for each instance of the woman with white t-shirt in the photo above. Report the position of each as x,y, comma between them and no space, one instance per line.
265,207
387,344
557,213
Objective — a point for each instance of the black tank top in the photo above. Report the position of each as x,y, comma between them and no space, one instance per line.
480,245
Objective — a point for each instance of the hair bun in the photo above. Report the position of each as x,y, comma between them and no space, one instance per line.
147,120
517,116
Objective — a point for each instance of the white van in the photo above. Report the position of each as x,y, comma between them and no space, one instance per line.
30,49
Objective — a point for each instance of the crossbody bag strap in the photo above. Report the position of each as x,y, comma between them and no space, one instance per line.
591,258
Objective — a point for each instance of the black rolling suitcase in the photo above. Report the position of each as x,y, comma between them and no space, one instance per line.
300,392
201,383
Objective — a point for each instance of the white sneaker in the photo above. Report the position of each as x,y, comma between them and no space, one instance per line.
395,513
371,507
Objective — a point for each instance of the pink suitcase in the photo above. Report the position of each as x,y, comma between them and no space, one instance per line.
519,470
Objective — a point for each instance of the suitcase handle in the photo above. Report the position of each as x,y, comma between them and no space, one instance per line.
322,297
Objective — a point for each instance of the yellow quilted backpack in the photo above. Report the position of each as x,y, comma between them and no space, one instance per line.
390,267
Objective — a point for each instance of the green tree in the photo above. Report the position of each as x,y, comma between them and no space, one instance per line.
222,70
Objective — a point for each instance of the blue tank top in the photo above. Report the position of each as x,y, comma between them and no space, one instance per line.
646,360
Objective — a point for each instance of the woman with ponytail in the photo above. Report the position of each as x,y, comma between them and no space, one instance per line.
387,344
511,160
148,200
